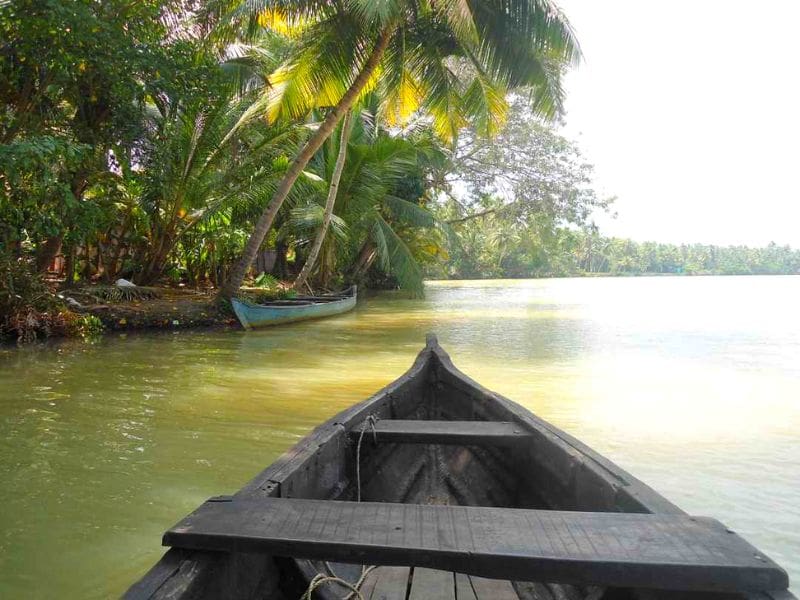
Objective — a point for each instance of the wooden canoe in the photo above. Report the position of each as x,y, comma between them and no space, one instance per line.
252,315
453,493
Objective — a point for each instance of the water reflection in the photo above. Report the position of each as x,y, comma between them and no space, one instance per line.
691,384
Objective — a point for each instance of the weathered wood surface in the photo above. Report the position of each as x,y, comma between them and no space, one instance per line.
387,583
464,589
491,589
676,552
430,584
465,433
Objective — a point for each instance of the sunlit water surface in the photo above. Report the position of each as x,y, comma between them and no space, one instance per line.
693,384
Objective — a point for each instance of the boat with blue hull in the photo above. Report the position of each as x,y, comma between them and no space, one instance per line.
278,312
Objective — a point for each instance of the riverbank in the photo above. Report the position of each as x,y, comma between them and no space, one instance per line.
174,309
80,315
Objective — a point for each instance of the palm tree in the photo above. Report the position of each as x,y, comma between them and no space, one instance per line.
390,226
405,50
195,168
379,213
329,203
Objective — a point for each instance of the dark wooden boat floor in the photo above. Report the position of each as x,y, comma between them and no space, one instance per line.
421,583
418,583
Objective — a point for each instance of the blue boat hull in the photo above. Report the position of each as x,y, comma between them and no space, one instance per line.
252,316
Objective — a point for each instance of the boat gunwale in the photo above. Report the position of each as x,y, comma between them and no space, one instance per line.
344,421
348,294
649,497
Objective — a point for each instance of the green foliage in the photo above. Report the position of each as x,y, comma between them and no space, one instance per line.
29,310
527,43
616,256
266,281
84,326
265,288
512,203
132,141
38,199
77,62
279,293
528,171
486,252
21,288
379,206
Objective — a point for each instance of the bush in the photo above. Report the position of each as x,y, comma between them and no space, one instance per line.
29,310
268,289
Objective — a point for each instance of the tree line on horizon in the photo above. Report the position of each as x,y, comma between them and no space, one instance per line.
571,252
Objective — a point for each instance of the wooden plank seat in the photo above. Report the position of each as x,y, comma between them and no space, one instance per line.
664,551
466,433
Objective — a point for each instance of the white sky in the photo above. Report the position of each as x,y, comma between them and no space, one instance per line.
690,111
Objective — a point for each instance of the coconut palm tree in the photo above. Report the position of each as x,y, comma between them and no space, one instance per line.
329,203
194,168
378,214
404,49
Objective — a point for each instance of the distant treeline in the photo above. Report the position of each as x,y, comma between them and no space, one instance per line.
624,256
566,252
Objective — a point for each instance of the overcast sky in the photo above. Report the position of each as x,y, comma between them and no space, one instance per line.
690,111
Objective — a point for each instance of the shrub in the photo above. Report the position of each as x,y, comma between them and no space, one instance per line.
29,310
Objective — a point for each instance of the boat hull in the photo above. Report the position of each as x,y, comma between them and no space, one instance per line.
253,316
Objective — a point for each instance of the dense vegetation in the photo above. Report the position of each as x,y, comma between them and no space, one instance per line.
179,140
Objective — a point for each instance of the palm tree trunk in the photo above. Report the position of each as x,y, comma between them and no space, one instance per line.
329,203
312,145
364,261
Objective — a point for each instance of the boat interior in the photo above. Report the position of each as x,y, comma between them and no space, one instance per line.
552,474
307,300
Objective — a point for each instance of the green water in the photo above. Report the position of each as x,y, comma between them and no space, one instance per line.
693,384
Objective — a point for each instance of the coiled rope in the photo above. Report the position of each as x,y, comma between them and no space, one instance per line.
322,579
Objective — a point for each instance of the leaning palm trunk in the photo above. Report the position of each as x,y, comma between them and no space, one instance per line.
312,145
366,257
329,203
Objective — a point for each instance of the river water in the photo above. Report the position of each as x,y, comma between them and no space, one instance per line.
692,384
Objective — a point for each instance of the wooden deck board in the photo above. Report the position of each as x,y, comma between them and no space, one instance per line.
492,589
445,432
430,584
391,583
464,589
676,552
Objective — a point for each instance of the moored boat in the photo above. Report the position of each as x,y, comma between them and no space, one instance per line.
451,492
277,312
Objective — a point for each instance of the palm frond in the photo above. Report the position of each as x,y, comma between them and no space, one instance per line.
401,94
409,212
308,218
460,16
395,257
377,13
